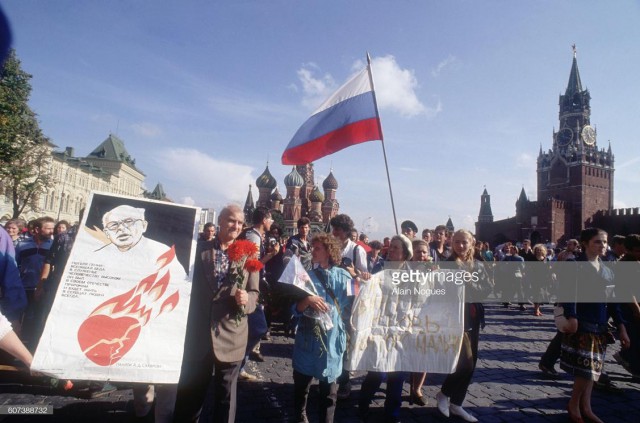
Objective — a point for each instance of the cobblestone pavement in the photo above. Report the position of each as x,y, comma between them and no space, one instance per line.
507,385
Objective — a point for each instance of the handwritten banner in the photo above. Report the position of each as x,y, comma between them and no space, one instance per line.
407,321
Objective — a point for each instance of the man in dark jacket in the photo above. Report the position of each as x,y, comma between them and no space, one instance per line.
214,339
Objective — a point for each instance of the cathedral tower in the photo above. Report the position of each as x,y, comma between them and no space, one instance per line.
330,205
306,171
292,203
265,183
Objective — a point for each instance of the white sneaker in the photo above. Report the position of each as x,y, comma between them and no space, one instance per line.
457,410
443,403
246,376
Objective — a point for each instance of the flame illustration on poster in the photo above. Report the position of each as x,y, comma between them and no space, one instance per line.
112,328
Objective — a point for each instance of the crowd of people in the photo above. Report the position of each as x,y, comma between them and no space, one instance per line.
218,343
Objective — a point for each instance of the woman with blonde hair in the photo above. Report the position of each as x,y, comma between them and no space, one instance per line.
454,388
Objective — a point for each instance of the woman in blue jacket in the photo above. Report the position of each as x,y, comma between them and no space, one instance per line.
318,350
584,348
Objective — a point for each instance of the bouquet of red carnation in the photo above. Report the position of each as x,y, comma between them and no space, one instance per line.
243,257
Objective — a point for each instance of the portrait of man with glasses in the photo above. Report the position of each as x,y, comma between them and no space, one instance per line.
124,226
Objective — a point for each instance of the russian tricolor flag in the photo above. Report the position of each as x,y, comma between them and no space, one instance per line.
348,117
353,287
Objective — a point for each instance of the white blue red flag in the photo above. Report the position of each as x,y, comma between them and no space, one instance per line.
348,117
353,287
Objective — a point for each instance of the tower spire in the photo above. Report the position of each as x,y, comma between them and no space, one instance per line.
249,206
575,84
485,215
523,197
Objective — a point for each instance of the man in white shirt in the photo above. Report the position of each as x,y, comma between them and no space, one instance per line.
356,257
258,327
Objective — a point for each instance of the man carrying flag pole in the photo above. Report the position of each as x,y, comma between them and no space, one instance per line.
348,117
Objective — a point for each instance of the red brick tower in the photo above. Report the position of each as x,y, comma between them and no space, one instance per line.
575,178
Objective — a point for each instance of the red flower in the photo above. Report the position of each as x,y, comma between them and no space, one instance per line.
241,249
253,265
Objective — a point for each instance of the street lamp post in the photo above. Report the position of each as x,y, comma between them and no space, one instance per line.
64,184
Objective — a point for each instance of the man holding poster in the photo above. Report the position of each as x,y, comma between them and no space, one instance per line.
216,331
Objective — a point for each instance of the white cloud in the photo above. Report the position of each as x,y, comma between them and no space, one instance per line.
395,87
443,64
146,129
628,162
315,89
525,161
432,111
468,223
188,201
203,179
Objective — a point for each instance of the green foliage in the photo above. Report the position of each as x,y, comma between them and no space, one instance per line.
278,219
24,151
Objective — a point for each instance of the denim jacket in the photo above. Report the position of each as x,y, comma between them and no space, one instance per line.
309,355
597,314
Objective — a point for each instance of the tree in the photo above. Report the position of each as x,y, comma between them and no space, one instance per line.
25,153
278,219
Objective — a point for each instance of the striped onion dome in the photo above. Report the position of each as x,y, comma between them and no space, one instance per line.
293,179
330,182
266,180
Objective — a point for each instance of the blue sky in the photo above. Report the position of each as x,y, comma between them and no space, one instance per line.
203,93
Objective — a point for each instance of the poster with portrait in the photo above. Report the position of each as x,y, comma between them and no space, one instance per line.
120,311
407,320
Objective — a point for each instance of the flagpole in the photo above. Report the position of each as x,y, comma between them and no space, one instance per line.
384,152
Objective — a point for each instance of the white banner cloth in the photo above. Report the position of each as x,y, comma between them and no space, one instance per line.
406,326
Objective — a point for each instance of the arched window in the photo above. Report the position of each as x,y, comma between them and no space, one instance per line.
78,205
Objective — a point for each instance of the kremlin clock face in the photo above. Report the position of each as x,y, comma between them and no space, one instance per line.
565,136
588,135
